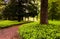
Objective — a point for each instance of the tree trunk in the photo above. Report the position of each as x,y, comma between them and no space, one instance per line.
28,18
44,12
20,18
33,18
37,18
25,18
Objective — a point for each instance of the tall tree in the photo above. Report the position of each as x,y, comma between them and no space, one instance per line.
44,12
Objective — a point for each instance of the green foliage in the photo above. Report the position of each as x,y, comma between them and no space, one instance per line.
53,12
9,11
20,9
36,31
6,23
50,1
54,9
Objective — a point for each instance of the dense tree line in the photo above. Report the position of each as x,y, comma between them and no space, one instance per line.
16,10
20,9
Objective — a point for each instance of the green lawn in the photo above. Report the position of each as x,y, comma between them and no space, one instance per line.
6,23
36,31
54,22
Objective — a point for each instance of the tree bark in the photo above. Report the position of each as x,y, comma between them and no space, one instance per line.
44,12
20,18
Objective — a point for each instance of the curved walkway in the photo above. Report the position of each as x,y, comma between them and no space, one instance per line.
9,33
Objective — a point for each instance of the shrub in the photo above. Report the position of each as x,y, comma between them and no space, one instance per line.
36,31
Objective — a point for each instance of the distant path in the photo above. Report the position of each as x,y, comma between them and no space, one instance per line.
9,33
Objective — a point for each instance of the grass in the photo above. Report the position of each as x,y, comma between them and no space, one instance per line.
55,22
6,23
36,31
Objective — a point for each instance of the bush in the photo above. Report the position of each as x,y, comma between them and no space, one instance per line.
36,31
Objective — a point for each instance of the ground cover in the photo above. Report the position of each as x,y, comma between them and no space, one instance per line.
6,23
36,31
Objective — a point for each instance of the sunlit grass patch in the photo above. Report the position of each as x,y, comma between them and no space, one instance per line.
55,22
5,23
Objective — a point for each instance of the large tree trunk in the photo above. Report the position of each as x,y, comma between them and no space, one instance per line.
44,12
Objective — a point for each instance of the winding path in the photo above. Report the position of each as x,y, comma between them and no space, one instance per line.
9,33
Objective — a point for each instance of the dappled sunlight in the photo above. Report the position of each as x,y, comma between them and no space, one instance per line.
30,19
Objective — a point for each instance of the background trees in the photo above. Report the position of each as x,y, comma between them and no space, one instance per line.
20,9
53,13
28,8
54,10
